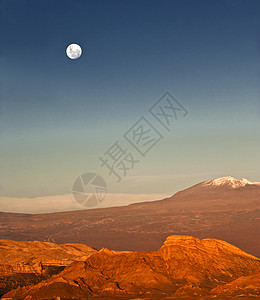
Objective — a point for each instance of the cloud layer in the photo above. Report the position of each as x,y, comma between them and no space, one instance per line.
67,202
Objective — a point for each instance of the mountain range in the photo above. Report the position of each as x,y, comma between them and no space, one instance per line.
184,267
223,208
23,263
131,262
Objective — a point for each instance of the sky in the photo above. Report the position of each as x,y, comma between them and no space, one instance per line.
60,118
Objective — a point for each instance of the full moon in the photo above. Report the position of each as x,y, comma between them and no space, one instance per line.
74,51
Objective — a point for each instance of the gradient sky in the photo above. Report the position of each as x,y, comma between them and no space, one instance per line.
57,116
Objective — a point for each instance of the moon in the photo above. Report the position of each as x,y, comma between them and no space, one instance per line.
74,51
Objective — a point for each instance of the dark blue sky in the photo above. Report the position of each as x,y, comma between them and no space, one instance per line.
57,116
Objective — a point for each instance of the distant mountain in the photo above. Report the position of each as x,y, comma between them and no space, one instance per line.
219,193
183,267
230,181
22,263
223,208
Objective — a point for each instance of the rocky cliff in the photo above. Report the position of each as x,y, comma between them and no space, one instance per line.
183,266
30,262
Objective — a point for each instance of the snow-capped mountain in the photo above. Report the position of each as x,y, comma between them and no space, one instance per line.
230,181
223,208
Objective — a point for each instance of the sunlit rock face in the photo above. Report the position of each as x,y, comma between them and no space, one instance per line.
205,260
24,263
183,266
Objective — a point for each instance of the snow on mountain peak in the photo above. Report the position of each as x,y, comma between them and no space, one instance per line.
230,181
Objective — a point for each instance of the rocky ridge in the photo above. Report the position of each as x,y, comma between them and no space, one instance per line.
203,210
183,267
30,262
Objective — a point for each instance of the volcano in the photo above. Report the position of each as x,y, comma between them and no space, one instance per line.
224,208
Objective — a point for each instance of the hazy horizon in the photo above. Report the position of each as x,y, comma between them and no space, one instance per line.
67,202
